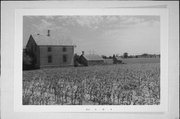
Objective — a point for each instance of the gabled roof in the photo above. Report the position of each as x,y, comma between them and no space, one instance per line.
48,40
93,57
119,58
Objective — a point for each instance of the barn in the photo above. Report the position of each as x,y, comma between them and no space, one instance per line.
91,59
108,61
49,52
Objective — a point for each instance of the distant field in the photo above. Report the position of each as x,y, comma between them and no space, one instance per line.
123,84
141,60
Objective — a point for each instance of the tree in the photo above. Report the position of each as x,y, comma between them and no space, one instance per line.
110,57
76,60
114,59
27,61
125,55
104,57
145,55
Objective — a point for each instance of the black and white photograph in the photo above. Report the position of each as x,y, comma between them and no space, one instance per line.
91,60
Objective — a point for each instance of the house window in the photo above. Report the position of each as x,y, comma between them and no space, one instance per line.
49,49
64,49
64,58
49,59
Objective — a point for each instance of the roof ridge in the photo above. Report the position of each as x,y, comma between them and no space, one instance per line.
48,40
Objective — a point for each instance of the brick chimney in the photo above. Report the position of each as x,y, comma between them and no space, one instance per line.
48,33
82,52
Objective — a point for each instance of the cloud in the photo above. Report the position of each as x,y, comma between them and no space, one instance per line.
89,21
94,22
44,24
66,24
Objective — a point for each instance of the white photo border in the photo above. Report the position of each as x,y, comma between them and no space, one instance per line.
19,107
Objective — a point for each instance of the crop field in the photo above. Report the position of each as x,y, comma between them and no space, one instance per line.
123,84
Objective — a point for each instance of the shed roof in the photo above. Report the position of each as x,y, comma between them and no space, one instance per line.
93,57
48,40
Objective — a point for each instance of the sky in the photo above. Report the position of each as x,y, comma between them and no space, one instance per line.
102,35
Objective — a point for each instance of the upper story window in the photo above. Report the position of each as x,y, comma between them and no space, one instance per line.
49,49
64,49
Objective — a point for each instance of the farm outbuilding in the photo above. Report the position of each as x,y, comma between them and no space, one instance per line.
93,59
108,61
49,52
